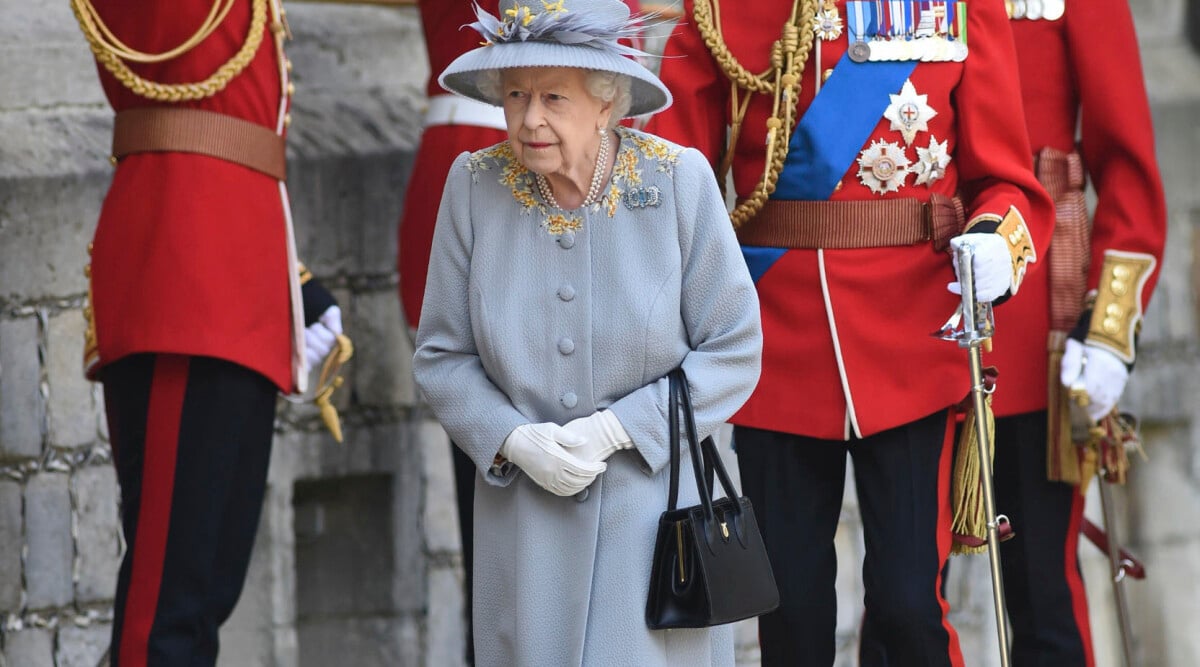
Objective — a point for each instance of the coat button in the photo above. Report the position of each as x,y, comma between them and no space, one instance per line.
582,495
569,400
567,240
566,292
566,345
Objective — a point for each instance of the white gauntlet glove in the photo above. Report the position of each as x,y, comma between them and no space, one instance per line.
602,435
1101,373
321,336
993,264
538,450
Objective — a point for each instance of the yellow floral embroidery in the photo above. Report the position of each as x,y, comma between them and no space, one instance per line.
558,223
612,199
655,149
627,174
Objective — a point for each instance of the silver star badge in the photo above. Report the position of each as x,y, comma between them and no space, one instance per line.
909,112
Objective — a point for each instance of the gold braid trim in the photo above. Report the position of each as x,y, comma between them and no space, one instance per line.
171,92
788,56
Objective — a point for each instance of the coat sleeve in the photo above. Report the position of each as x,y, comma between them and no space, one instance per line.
1117,143
699,116
719,307
995,161
476,414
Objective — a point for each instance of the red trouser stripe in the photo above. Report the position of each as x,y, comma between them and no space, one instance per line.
154,509
944,521
1075,581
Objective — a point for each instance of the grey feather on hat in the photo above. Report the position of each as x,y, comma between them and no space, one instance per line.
558,33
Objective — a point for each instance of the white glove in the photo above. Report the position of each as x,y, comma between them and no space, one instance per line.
538,449
1101,373
321,336
602,435
993,265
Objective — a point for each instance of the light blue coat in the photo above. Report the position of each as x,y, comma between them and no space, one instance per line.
533,315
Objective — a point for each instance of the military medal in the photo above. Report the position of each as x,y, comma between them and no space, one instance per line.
932,162
882,166
909,112
827,24
1018,9
957,20
1052,10
858,15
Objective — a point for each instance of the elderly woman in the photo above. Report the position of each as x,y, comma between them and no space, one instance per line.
573,267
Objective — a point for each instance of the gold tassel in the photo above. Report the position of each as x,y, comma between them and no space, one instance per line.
969,516
329,381
1062,454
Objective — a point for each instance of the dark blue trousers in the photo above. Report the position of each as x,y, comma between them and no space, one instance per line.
902,476
191,442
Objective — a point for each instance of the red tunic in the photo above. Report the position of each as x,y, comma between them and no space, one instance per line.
847,345
446,38
190,252
1081,76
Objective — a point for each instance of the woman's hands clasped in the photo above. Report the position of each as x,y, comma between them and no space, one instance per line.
602,436
541,451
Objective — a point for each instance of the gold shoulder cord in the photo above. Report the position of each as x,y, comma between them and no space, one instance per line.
788,56
112,52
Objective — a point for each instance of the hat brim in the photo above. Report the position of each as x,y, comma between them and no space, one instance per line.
462,76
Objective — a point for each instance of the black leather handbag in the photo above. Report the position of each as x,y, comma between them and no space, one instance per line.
710,566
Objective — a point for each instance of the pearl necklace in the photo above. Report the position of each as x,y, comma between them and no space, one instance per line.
597,179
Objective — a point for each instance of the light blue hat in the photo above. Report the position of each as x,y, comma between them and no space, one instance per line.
557,33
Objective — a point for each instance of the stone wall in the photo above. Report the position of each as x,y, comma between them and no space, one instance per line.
357,559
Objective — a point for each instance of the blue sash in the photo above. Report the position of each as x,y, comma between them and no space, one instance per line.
827,140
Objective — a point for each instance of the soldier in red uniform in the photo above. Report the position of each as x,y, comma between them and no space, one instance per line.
898,108
196,318
1081,77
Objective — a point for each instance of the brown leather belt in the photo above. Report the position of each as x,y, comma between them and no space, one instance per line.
161,129
855,224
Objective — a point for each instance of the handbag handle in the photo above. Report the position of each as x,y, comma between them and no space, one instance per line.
704,454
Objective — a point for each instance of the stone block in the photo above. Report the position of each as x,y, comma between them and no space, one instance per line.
383,360
30,647
97,533
328,190
11,543
408,495
48,537
445,625
441,501
365,642
72,412
55,70
20,382
246,636
45,226
47,61
82,646
1162,498
344,555
1157,20
1165,607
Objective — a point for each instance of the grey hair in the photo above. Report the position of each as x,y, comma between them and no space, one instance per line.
605,86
